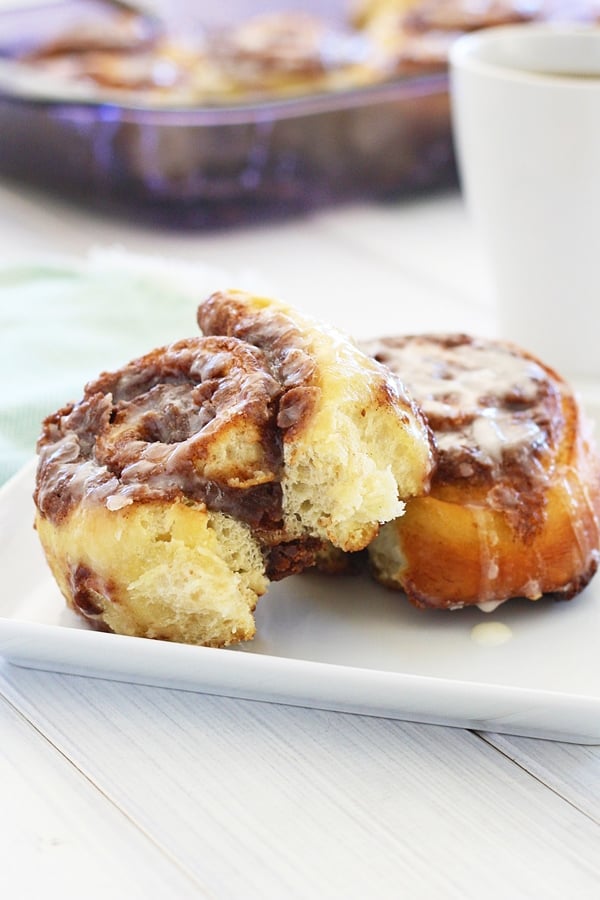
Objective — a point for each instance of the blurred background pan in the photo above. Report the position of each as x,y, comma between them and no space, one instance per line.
192,160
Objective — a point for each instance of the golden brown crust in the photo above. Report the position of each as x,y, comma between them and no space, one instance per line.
514,504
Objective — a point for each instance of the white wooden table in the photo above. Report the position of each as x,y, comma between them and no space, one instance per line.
123,791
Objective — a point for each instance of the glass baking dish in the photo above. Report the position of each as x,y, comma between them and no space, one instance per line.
216,165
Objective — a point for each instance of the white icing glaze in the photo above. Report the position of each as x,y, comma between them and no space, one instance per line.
489,606
491,634
465,384
116,502
532,589
493,570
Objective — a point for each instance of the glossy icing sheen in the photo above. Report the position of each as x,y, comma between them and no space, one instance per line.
209,419
486,405
514,502
194,419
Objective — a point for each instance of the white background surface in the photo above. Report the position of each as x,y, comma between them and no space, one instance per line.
337,643
113,790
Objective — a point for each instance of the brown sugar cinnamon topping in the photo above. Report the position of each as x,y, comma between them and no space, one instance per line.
196,418
496,416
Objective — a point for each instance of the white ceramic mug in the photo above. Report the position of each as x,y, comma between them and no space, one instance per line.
526,118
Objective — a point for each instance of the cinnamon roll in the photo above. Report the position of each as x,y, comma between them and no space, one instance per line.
514,505
178,486
354,444
464,15
292,52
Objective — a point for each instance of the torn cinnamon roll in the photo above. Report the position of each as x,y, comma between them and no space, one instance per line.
178,486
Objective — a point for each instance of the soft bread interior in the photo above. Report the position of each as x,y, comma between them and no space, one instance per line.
359,448
158,570
358,457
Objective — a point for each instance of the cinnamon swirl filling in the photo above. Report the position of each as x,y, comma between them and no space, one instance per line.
197,419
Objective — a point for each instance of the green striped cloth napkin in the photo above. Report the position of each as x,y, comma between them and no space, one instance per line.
62,322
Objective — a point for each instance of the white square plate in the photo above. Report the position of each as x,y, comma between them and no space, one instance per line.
332,643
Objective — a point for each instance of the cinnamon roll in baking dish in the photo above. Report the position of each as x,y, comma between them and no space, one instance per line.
178,486
514,504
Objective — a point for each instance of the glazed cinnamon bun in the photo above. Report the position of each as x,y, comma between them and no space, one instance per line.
292,52
354,444
514,505
178,486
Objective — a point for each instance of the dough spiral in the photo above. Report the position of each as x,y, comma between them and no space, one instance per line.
179,485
